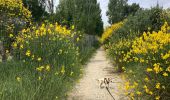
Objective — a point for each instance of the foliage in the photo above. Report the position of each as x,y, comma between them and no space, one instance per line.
13,18
152,50
84,15
140,49
142,21
146,61
118,10
36,7
110,30
46,63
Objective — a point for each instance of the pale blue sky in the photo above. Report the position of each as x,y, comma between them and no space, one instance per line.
142,3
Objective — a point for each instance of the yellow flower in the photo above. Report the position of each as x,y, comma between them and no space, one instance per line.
165,56
123,68
11,35
138,93
135,84
168,69
32,57
14,45
147,90
21,46
146,79
78,39
157,86
39,78
39,59
157,68
18,79
157,98
131,94
149,70
71,73
48,67
63,69
145,87
165,74
28,53
72,27
40,68
150,92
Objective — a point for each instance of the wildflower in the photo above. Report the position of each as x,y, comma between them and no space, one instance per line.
11,35
71,73
39,78
146,79
32,57
21,46
78,39
138,93
157,98
28,53
165,74
149,70
14,45
72,27
131,94
18,79
63,69
40,68
165,56
123,68
168,69
39,59
157,68
147,90
127,86
47,68
145,87
157,86
135,84
150,92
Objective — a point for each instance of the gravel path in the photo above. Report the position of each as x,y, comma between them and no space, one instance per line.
88,87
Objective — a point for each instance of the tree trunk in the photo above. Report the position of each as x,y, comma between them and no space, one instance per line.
2,52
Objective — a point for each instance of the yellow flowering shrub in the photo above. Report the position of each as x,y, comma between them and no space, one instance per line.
117,52
109,31
152,51
49,57
14,17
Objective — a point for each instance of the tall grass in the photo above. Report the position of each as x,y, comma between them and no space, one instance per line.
47,61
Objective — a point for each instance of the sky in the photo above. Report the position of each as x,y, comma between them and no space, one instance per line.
143,3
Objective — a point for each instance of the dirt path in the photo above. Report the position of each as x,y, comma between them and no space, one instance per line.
88,87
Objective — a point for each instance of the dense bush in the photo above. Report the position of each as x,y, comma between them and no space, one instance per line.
14,17
152,52
140,48
143,20
46,62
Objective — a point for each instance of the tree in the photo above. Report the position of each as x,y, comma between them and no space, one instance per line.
85,15
116,10
119,10
37,8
